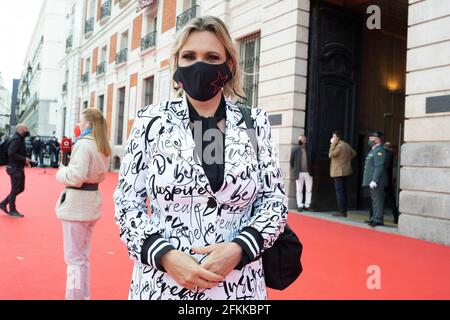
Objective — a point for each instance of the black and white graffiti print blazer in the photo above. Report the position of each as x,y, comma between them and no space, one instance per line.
160,165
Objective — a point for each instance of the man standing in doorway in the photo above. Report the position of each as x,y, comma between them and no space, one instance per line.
341,155
301,162
17,160
375,177
390,190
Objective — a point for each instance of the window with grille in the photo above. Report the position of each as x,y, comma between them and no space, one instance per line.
148,93
249,62
120,116
101,102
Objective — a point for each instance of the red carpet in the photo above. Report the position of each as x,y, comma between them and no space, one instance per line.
335,256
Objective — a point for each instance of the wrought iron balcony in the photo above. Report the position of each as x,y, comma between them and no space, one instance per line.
85,77
69,42
101,68
89,26
64,87
184,18
148,41
121,56
123,3
106,9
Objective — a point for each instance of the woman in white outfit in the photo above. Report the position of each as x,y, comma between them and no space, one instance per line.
79,204
209,221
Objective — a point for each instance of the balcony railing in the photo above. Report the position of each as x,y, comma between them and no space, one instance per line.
89,26
69,42
101,68
123,3
85,77
32,101
64,87
121,56
148,41
106,9
184,18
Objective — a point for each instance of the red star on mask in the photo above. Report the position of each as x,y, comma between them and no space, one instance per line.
219,82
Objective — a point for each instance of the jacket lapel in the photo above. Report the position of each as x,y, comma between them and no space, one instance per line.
177,138
239,153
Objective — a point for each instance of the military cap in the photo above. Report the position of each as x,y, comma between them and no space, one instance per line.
378,134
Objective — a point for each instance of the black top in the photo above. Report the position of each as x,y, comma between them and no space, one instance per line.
296,158
17,153
213,157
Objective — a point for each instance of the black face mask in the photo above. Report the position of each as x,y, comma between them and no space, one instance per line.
202,81
26,134
300,142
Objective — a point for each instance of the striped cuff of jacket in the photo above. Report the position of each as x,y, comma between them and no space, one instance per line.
154,247
251,243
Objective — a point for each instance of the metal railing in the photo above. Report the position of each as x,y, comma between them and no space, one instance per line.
106,9
121,56
69,42
101,68
184,18
32,101
64,87
85,77
148,41
89,25
122,3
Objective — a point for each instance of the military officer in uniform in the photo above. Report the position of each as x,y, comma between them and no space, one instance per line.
375,177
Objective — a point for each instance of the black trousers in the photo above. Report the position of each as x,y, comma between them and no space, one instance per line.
390,197
17,177
340,184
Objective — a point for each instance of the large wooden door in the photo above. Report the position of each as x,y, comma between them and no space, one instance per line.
334,63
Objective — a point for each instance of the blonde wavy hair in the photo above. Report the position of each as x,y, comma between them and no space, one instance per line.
99,130
232,88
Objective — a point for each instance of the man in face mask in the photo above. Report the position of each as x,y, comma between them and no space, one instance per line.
17,160
301,162
375,177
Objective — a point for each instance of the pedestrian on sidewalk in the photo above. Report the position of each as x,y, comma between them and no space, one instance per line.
375,177
341,155
79,204
17,160
66,148
302,164
213,206
37,147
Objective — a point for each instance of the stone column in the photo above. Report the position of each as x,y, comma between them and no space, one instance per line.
425,157
282,77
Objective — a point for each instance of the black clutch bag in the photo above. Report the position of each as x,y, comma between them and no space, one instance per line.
281,262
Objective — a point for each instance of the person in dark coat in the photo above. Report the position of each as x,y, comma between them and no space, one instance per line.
17,160
389,189
37,148
375,177
54,152
302,164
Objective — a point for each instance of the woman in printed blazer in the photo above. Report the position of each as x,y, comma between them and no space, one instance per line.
208,223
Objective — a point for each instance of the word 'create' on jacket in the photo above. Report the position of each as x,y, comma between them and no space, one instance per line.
160,165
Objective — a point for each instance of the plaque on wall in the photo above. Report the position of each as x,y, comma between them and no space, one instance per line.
438,104
275,119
